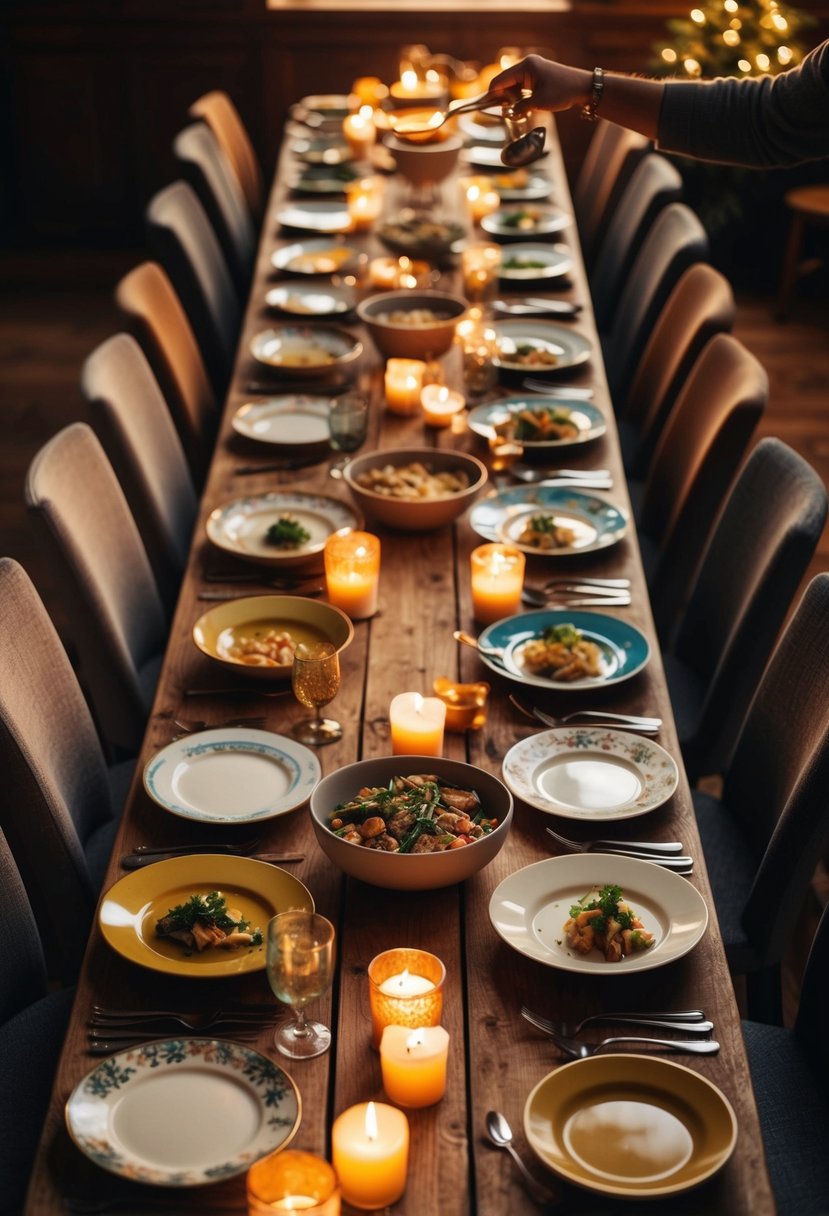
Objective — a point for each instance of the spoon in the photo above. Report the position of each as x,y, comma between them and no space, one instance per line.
500,1134
401,126
525,149
491,652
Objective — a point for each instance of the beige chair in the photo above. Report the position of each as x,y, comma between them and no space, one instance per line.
132,421
611,157
220,114
154,315
111,600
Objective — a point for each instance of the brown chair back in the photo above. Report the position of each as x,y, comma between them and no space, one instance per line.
611,157
220,114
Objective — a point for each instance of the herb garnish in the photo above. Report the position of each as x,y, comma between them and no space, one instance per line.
287,533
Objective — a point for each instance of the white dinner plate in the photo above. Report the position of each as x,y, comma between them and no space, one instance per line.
304,350
589,772
485,127
515,338
291,421
526,260
240,526
183,1112
322,255
516,223
301,299
521,185
322,150
231,775
315,216
529,908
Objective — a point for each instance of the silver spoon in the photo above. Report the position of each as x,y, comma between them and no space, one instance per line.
500,1133
525,149
491,652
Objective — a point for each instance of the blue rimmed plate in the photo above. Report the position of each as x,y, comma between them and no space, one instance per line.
232,775
624,649
587,418
591,522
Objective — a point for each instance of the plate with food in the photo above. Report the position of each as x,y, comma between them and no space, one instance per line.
281,528
300,299
315,216
323,179
183,1112
231,775
515,223
527,261
598,914
319,256
630,1125
538,422
304,350
293,421
521,185
322,150
549,521
560,648
416,236
201,916
538,347
589,772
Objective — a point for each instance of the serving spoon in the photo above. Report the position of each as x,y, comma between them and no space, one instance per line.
401,126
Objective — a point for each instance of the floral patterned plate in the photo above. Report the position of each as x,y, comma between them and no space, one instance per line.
586,772
183,1112
241,527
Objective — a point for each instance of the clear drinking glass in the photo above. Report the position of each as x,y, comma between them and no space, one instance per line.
315,679
347,427
300,960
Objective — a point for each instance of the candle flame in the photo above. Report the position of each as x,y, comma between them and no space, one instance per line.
366,113
408,79
372,1131
414,1040
403,978
418,708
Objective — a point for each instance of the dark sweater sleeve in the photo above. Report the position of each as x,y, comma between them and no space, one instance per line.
755,121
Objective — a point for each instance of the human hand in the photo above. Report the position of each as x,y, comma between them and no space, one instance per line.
547,85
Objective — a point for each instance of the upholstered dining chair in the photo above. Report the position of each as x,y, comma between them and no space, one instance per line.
131,419
790,1075
654,183
183,241
759,551
206,167
32,1029
154,315
675,240
765,834
221,115
611,156
61,802
113,606
700,305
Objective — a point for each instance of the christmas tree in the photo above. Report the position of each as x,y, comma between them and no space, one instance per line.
733,38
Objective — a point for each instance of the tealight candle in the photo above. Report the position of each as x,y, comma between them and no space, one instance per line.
352,572
292,1181
389,273
416,725
360,131
414,1064
497,580
404,384
465,703
440,404
480,263
365,202
405,988
481,199
370,1150
410,87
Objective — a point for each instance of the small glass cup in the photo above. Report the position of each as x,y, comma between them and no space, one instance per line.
292,1181
300,963
347,426
479,348
480,264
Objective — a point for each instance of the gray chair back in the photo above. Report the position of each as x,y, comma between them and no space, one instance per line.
611,157
220,113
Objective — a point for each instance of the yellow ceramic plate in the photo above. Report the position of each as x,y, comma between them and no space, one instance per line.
131,908
630,1125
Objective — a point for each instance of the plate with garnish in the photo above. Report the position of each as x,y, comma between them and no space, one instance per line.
516,223
549,521
322,255
281,528
301,299
538,422
528,261
538,347
304,351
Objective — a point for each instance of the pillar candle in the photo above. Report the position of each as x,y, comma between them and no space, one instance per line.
481,198
440,404
404,384
414,1064
405,988
365,202
370,1151
417,725
352,572
497,580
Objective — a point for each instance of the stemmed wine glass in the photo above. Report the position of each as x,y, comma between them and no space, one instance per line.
315,679
300,957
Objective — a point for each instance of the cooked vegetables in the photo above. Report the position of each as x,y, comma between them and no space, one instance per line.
544,532
562,653
602,920
204,921
414,814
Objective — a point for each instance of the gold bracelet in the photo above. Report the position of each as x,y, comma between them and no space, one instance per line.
590,108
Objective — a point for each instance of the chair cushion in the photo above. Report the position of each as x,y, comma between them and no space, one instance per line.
794,1117
731,870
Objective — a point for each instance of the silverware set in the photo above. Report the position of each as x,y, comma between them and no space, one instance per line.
591,717
538,307
575,597
500,1136
189,726
573,392
689,1021
113,1030
573,479
669,856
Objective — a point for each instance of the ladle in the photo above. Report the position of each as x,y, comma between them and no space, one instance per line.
525,149
401,126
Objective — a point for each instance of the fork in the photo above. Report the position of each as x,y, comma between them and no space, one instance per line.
680,864
253,1015
307,589
581,1051
578,392
191,725
247,691
690,1021
573,599
240,847
666,847
598,717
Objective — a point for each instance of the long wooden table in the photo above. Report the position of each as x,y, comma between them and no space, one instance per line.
496,1057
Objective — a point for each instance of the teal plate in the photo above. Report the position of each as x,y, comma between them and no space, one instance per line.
594,523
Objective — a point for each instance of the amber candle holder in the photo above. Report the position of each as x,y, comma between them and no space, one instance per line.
465,703
292,1181
405,988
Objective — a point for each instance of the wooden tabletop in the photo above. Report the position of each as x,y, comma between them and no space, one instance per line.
495,1057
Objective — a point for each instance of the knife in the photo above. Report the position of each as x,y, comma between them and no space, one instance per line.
137,861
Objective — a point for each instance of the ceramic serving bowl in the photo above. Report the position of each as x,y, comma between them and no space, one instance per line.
427,162
253,616
411,324
410,871
416,514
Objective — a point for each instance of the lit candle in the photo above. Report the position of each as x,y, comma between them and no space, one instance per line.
404,384
292,1181
365,202
481,199
405,988
352,572
414,1064
359,131
465,703
440,404
416,725
369,90
410,87
370,1150
497,581
480,264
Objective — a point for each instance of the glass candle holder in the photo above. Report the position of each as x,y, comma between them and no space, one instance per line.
413,1064
416,725
465,703
480,264
369,90
370,1151
497,573
440,404
352,572
292,1181
365,202
481,198
360,132
479,348
405,988
404,384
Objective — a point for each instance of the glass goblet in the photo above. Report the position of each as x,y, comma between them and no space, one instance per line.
300,961
315,679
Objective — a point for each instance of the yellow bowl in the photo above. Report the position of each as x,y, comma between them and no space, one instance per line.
415,514
306,620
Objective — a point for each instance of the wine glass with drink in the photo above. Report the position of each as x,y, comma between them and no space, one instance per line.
315,679
300,961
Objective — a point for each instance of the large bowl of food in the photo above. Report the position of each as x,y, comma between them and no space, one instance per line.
411,823
412,324
415,489
257,635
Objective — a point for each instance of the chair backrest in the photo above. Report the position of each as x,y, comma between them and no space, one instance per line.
759,551
220,114
693,464
675,240
700,305
55,788
154,314
206,167
183,241
611,157
111,599
131,419
654,183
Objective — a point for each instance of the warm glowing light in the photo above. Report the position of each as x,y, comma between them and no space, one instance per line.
731,38
371,1122
698,15
779,22
409,79
763,62
731,6
744,65
692,67
669,54
784,54
736,23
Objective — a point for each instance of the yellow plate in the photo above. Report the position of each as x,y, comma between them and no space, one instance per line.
630,1125
131,908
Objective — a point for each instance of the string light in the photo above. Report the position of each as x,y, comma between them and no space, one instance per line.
730,37
763,62
784,55
698,15
744,65
669,54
